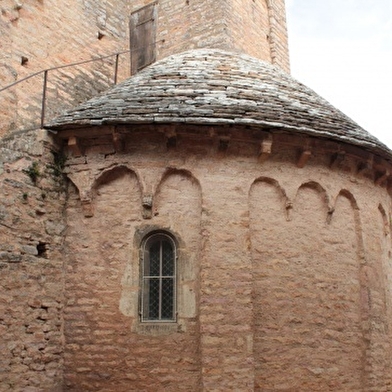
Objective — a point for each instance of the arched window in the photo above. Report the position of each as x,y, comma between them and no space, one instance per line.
158,278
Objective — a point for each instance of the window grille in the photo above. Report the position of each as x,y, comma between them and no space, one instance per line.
158,285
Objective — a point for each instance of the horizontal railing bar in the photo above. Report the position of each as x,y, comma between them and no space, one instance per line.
45,72
74,65
87,61
62,66
22,80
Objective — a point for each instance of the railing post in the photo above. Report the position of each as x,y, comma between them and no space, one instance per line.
46,73
116,68
44,98
131,59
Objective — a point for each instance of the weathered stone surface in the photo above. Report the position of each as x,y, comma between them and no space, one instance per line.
284,273
217,87
56,33
31,295
290,263
279,204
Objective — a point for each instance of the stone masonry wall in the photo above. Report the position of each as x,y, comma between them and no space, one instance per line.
284,272
107,347
254,34
293,274
49,34
31,268
39,35
310,270
185,25
278,34
257,28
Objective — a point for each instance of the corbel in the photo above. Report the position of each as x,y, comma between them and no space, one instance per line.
74,146
170,132
87,204
337,159
83,180
265,148
289,209
147,202
365,166
304,157
211,132
171,138
382,177
330,212
223,143
118,141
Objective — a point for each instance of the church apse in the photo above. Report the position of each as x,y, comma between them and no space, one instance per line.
105,338
306,290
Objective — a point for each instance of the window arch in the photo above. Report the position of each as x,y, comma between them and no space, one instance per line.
158,278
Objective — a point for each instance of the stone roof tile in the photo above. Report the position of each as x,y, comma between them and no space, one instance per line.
211,86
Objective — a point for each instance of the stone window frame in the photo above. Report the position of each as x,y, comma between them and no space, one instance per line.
154,236
186,291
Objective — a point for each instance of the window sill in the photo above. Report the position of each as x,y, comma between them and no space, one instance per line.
157,328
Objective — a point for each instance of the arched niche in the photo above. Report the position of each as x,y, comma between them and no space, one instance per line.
306,289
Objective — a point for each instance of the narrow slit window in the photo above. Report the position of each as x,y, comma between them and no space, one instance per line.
158,285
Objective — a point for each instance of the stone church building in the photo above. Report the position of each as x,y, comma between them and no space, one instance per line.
201,222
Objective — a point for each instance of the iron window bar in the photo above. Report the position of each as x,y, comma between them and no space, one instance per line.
153,296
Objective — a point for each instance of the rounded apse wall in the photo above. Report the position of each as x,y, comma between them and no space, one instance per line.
285,261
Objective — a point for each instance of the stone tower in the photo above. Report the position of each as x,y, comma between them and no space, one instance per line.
209,223
84,30
257,28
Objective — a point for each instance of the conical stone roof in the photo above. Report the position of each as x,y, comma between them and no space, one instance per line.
210,86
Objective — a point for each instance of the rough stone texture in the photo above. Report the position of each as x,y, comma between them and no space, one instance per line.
31,267
285,275
257,28
218,87
280,206
320,268
284,272
295,275
53,33
106,347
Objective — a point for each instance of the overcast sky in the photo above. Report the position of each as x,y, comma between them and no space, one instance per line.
342,49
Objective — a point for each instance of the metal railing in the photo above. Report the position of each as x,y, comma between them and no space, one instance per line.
45,74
